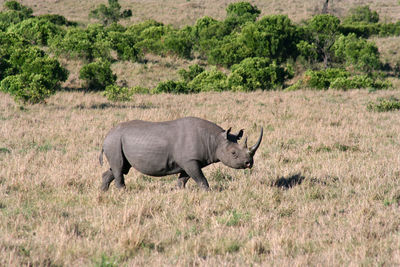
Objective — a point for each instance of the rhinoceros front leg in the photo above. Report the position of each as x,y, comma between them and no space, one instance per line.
182,179
192,168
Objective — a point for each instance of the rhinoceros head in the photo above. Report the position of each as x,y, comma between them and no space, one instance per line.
233,154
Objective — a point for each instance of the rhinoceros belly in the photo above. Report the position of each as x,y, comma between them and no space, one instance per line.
150,155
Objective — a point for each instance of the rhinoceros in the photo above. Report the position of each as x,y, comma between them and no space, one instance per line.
183,146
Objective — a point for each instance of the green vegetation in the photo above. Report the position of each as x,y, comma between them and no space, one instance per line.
384,105
111,13
97,75
244,52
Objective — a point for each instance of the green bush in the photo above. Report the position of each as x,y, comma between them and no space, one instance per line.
111,13
175,87
359,81
358,52
384,105
322,79
228,52
85,44
209,80
206,33
150,39
273,36
14,13
179,42
57,20
307,51
361,14
239,13
117,93
29,74
124,45
140,90
341,79
27,88
97,75
36,30
189,75
256,73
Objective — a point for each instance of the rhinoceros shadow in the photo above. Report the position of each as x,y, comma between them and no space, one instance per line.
288,182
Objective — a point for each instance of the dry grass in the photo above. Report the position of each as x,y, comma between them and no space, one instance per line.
324,190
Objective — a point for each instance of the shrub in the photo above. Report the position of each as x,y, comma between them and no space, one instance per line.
124,45
359,81
239,13
274,37
175,87
116,93
207,32
342,79
384,105
15,13
209,80
256,73
179,42
322,79
140,90
27,88
111,13
137,29
228,52
97,75
189,75
80,43
57,20
361,14
150,39
15,6
307,51
358,52
36,30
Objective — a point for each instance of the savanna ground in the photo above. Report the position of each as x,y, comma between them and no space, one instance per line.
324,189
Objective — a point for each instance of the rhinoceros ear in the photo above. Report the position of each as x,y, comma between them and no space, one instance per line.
228,132
240,134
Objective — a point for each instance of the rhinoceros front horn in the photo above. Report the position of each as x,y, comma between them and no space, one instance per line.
254,148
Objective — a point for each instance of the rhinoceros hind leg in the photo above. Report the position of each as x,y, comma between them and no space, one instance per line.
182,179
108,177
119,179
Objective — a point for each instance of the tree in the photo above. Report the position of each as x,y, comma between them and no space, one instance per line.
111,13
323,31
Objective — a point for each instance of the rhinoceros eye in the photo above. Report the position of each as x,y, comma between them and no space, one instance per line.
234,154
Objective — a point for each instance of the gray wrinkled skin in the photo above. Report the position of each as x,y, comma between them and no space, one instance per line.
181,146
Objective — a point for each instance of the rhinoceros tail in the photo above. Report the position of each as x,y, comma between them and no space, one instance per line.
101,157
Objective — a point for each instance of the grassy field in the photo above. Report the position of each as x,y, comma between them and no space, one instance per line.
324,190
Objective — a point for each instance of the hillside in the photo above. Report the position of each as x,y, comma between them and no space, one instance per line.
186,12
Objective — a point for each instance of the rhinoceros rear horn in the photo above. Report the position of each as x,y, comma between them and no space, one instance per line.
254,148
244,145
